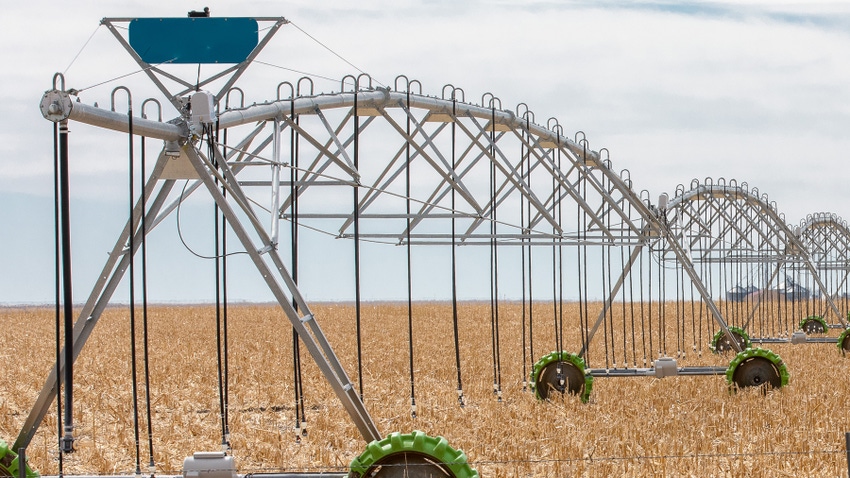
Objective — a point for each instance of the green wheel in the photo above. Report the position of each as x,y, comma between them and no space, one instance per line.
722,344
411,455
9,463
844,341
814,324
757,368
561,372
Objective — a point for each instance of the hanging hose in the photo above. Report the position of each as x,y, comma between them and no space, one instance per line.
57,282
294,141
642,314
132,279
220,326
145,337
494,262
409,275
454,265
584,318
556,325
530,266
66,444
522,159
356,213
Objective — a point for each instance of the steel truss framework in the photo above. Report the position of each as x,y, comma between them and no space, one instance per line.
827,238
383,165
745,251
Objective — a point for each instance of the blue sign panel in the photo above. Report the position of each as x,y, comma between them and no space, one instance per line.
193,40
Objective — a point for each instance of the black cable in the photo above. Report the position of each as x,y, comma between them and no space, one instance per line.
180,230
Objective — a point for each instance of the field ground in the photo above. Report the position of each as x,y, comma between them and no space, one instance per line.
680,426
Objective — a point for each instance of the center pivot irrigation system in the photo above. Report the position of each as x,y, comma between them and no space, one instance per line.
777,289
391,165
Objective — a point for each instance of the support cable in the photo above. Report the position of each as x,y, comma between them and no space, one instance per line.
331,51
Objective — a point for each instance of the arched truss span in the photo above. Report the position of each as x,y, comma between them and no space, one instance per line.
746,253
827,238
478,165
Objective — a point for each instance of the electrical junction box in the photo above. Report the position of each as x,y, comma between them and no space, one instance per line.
203,107
209,464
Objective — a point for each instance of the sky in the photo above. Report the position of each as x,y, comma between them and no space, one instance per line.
755,91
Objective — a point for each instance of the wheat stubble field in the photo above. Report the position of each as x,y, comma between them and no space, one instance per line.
679,426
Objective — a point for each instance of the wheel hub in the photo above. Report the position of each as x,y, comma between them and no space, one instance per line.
755,372
572,377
